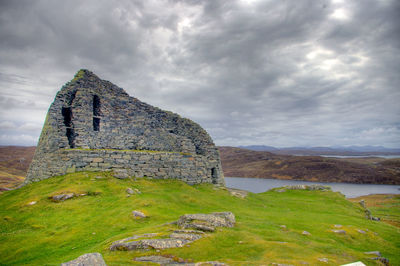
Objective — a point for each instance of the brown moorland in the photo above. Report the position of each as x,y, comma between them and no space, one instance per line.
237,162
14,163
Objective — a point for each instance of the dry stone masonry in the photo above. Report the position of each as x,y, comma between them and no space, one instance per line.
93,125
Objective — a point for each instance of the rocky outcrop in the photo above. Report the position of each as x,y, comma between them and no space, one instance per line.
163,260
303,187
89,259
93,125
207,222
147,241
179,238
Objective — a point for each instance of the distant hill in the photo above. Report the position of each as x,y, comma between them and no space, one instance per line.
349,151
14,163
238,162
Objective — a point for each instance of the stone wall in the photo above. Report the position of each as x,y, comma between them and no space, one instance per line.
93,114
192,169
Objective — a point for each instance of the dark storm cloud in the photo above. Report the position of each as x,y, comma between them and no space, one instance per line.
280,73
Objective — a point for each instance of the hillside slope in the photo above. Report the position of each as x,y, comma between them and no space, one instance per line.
14,163
48,233
238,162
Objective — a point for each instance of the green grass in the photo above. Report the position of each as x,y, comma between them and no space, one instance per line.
49,233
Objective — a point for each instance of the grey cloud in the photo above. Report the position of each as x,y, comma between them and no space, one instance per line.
283,73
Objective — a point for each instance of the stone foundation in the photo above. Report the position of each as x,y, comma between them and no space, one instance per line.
192,169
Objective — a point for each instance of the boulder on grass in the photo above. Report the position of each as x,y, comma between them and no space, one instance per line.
89,259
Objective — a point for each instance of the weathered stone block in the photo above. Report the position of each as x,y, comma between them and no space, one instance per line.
97,160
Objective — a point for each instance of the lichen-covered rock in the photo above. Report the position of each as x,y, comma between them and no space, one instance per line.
376,253
93,125
186,236
89,259
340,232
162,243
215,219
139,214
155,259
62,197
303,187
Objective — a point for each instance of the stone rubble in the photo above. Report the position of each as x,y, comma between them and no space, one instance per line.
89,259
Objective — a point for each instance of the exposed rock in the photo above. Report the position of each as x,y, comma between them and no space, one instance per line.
210,263
338,226
191,237
340,232
155,259
323,260
215,219
93,125
361,231
306,233
375,218
121,174
139,214
357,263
32,203
376,253
202,227
368,214
89,259
150,243
362,203
188,232
303,187
383,260
238,192
62,197
130,191
283,227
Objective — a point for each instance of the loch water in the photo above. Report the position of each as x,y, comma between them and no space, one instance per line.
258,185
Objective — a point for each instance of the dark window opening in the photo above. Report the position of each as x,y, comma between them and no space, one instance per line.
96,105
71,137
214,175
67,114
96,123
96,113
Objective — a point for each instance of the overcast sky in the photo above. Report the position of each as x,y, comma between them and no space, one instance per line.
280,73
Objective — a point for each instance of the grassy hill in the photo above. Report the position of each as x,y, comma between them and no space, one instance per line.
238,162
48,233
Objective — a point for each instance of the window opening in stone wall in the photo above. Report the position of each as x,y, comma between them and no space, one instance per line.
67,114
214,175
96,113
70,133
96,105
96,123
71,137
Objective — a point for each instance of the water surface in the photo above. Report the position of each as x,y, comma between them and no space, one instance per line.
258,185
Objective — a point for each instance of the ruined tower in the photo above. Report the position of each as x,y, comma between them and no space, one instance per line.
93,125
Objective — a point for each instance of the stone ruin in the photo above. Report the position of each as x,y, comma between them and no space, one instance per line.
93,125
